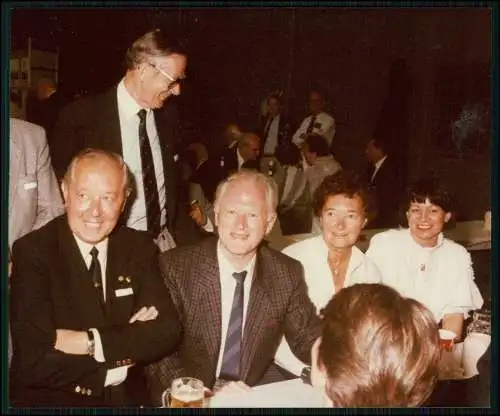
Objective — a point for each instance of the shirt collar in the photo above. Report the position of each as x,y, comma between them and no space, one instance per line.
356,259
85,248
128,106
240,159
439,243
379,163
226,267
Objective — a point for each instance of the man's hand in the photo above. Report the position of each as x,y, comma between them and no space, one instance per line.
197,215
72,342
144,314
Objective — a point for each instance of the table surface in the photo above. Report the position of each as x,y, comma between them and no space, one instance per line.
290,393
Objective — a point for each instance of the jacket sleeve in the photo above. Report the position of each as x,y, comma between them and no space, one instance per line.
145,341
302,325
36,363
49,204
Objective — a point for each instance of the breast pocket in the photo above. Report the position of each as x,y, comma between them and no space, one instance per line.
27,193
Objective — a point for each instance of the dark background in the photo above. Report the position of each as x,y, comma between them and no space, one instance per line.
404,73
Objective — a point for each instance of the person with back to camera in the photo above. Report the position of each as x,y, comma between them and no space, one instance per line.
377,349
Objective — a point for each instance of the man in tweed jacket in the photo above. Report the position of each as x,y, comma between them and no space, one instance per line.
200,282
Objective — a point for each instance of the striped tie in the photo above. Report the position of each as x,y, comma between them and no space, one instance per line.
231,359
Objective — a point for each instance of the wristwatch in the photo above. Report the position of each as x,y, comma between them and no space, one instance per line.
90,343
306,375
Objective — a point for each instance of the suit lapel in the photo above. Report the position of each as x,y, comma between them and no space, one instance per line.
257,317
79,283
109,120
15,167
207,293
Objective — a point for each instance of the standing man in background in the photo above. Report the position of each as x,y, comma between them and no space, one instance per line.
127,120
318,121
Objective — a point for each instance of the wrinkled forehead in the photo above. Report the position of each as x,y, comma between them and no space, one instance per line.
88,170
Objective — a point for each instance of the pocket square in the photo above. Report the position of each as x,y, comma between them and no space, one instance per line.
30,185
123,292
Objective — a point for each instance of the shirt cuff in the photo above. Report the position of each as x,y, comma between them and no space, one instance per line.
116,376
98,351
209,227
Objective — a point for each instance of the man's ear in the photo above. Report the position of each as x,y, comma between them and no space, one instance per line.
447,217
271,219
64,191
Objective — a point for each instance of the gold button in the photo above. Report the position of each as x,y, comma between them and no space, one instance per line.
89,392
77,389
128,279
120,278
84,391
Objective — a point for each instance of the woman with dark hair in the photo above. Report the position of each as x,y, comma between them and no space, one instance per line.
377,349
421,263
331,260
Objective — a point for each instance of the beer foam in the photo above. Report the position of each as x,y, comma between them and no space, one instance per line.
188,394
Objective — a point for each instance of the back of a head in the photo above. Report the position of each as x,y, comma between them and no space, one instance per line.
378,349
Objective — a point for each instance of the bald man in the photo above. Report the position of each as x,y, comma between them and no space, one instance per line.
243,156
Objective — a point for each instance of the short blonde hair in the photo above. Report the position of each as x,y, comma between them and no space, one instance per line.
378,349
91,153
253,176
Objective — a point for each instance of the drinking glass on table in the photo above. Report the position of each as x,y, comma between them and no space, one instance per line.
184,392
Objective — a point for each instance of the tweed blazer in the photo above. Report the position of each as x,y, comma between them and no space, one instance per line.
278,305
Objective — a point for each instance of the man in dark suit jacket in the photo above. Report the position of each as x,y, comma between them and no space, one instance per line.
88,305
274,129
112,121
219,343
245,155
384,179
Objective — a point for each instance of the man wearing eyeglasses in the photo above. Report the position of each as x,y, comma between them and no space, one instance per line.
127,120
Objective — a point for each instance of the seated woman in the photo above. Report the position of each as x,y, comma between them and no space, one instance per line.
422,264
331,260
377,349
294,208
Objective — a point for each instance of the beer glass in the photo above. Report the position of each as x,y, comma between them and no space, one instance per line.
446,339
184,392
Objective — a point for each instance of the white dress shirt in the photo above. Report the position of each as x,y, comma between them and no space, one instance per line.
227,286
377,167
440,277
313,255
117,375
324,126
129,126
272,136
240,159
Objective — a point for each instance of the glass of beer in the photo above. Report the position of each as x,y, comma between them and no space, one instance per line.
184,392
446,339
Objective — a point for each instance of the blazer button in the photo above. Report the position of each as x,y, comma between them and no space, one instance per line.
77,389
84,391
118,363
89,392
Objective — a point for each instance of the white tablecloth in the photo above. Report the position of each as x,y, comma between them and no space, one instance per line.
291,393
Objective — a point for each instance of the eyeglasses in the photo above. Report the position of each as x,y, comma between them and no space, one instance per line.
173,81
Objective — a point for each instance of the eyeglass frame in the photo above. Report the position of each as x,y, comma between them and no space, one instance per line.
173,81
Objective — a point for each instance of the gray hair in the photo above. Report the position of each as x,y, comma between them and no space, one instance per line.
269,184
91,153
150,45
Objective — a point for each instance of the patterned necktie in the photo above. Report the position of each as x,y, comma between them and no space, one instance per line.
231,360
151,197
311,125
95,273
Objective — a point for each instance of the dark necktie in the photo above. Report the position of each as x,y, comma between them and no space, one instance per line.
95,273
268,127
231,360
151,197
311,125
